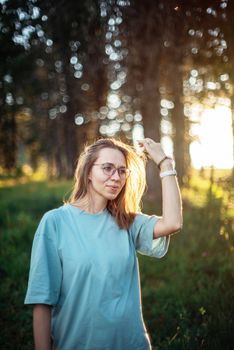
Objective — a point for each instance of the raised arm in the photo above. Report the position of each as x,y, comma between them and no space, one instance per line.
42,327
171,220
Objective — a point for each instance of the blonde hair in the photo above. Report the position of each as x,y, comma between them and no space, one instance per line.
125,206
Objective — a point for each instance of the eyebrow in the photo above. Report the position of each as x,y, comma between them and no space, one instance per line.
121,166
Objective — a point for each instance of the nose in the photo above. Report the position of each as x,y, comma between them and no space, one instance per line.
116,176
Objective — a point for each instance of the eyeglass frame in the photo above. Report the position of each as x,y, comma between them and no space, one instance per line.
115,169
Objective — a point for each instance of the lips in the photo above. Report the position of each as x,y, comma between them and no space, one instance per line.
113,188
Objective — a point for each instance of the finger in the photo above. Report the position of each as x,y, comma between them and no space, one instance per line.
144,147
144,140
140,143
148,142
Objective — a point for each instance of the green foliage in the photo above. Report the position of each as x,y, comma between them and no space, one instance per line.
21,208
187,296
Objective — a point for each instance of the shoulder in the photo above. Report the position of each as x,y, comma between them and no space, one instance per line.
49,224
52,216
141,218
55,213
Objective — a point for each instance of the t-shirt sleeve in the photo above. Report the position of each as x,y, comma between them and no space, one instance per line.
141,231
45,273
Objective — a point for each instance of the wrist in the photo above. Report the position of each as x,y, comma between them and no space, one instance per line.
167,164
168,173
164,159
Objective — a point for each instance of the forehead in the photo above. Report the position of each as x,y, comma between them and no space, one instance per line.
110,155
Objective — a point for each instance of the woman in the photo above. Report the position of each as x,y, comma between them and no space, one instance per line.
84,280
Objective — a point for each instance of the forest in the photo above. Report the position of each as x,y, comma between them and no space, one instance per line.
74,71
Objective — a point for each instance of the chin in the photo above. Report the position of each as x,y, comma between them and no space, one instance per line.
112,196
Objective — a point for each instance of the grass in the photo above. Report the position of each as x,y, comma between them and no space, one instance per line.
187,296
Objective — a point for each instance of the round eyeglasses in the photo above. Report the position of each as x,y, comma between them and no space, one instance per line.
109,169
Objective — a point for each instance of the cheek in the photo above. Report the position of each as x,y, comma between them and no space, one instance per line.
122,187
96,178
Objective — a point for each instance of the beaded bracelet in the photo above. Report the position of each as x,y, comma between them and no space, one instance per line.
168,173
162,160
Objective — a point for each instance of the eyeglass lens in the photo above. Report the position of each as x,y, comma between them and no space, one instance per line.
110,169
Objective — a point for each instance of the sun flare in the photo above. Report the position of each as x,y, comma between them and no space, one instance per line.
214,146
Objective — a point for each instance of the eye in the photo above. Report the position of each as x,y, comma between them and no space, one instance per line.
122,171
108,168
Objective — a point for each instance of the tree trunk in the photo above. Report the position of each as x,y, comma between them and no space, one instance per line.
178,122
151,123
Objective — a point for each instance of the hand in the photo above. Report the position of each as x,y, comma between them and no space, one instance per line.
153,149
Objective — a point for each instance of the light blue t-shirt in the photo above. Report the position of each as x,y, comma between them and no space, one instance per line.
86,267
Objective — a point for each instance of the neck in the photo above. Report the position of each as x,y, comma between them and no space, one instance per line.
91,205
